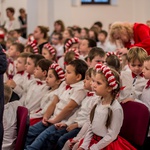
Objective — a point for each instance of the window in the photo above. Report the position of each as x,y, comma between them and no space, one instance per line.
95,1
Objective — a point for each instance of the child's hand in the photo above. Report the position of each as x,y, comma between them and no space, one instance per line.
52,121
72,126
72,143
60,125
11,83
45,121
127,100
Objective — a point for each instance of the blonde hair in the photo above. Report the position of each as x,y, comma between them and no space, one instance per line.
7,93
137,53
119,28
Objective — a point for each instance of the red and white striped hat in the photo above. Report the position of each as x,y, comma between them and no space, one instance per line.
108,74
50,48
71,41
33,44
59,71
75,50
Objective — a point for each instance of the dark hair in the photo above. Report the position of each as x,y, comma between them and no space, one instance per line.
98,23
22,10
44,30
103,32
60,22
91,42
78,29
36,58
96,51
19,31
69,56
60,37
19,47
44,64
11,9
114,62
80,67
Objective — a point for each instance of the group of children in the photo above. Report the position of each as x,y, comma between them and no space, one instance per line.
72,96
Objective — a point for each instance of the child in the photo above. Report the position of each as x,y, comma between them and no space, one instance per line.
75,123
49,52
54,78
13,53
30,67
124,63
133,81
85,46
57,43
96,55
113,60
69,97
84,32
37,87
145,96
9,120
102,40
106,116
72,43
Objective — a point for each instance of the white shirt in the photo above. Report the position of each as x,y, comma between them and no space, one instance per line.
33,95
10,125
45,102
99,128
130,89
81,115
77,93
11,25
60,49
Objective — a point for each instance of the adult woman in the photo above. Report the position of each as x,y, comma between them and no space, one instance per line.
41,36
130,35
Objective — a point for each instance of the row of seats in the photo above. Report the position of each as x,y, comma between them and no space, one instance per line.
134,129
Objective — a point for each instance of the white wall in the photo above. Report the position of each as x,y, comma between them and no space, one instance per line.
83,15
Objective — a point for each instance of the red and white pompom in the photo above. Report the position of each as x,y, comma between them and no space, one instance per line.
71,41
108,74
59,71
113,53
50,48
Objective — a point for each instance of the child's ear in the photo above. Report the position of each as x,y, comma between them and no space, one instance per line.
79,77
58,82
109,89
45,73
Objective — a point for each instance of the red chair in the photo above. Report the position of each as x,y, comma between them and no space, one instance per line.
22,127
135,124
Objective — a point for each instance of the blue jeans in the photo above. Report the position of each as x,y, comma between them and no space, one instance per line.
68,135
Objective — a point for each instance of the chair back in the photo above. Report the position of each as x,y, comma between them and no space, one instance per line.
136,122
22,127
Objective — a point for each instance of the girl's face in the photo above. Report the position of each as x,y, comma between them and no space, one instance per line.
84,48
51,80
30,66
46,54
83,34
87,83
100,85
57,27
20,65
136,67
146,70
66,35
37,34
70,75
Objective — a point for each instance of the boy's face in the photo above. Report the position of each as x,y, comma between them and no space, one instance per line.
70,75
84,48
95,60
20,65
101,37
39,73
55,39
87,83
30,66
136,67
146,70
12,51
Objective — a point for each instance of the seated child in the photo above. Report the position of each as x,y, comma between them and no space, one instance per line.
69,97
54,79
9,120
